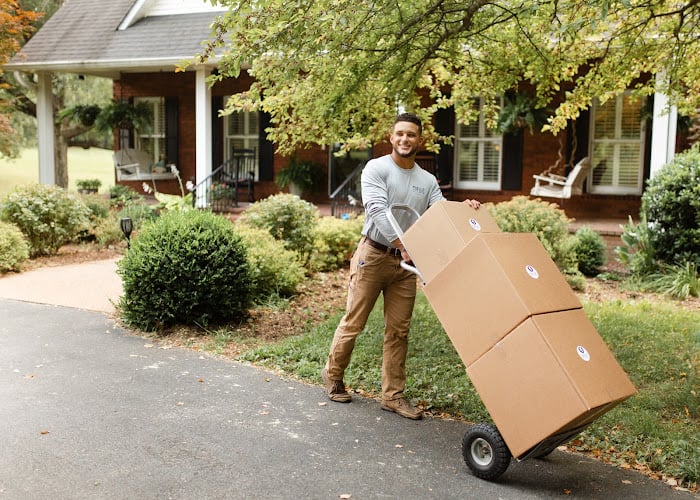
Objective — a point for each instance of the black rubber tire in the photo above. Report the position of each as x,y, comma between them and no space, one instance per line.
485,452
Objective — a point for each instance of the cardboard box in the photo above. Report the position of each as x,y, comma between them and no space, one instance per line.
496,282
442,232
550,374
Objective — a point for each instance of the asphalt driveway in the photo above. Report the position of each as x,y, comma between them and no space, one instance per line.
88,410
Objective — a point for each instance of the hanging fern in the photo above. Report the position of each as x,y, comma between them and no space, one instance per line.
518,112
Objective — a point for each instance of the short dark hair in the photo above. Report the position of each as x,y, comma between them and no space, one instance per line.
411,118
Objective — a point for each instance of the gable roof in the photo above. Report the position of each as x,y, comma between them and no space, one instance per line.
83,36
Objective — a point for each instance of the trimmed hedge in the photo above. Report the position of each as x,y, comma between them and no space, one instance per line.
49,216
185,268
14,248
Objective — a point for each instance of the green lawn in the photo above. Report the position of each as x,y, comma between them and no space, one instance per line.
93,163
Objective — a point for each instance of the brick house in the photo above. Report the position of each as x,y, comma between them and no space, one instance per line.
137,44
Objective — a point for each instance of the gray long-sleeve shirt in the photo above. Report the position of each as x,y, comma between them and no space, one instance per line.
384,184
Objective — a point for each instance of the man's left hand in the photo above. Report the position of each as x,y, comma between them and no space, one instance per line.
473,203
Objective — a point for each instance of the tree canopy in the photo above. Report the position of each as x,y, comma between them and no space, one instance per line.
15,28
338,70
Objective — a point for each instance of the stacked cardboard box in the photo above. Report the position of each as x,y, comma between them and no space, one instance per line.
536,360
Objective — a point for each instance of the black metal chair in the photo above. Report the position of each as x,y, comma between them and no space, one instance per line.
428,161
239,173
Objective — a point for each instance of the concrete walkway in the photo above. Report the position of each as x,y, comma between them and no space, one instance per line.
93,286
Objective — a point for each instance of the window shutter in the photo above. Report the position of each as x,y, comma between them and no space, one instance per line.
512,162
266,156
444,125
580,130
217,131
171,129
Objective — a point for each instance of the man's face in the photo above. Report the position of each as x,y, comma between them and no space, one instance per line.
406,139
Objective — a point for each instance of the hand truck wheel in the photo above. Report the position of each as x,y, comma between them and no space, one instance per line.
485,452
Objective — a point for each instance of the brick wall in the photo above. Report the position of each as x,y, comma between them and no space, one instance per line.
539,150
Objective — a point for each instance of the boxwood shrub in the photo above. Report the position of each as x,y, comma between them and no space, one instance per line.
274,270
184,268
14,248
671,207
287,218
590,251
335,241
48,216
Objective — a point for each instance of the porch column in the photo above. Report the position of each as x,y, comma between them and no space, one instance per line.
203,135
663,131
45,129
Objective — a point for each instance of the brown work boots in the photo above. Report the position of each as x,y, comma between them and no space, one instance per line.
402,407
335,389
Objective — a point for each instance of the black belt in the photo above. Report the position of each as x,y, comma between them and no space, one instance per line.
390,250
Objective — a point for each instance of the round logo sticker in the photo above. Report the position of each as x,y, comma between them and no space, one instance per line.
475,224
583,353
532,272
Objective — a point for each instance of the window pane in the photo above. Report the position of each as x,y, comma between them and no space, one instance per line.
629,165
241,132
468,162
479,154
469,130
492,156
631,118
618,145
605,120
152,141
602,173
236,124
252,124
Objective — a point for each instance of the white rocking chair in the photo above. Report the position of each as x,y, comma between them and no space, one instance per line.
134,165
557,186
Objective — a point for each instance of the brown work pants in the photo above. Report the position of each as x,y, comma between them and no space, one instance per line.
373,272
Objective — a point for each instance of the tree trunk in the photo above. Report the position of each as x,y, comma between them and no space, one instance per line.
60,158
63,134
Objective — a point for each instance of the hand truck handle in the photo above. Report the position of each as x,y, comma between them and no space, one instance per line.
399,231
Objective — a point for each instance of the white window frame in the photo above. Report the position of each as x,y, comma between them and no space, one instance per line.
616,143
482,141
156,135
250,139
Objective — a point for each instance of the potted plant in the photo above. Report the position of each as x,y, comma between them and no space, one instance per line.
302,176
87,186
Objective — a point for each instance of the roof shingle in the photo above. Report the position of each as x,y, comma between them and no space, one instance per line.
82,36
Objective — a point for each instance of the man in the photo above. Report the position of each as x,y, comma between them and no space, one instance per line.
375,267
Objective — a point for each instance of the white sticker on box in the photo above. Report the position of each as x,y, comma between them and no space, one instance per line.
532,272
475,224
583,353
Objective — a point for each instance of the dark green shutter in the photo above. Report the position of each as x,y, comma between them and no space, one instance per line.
217,131
512,162
445,126
266,155
171,130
